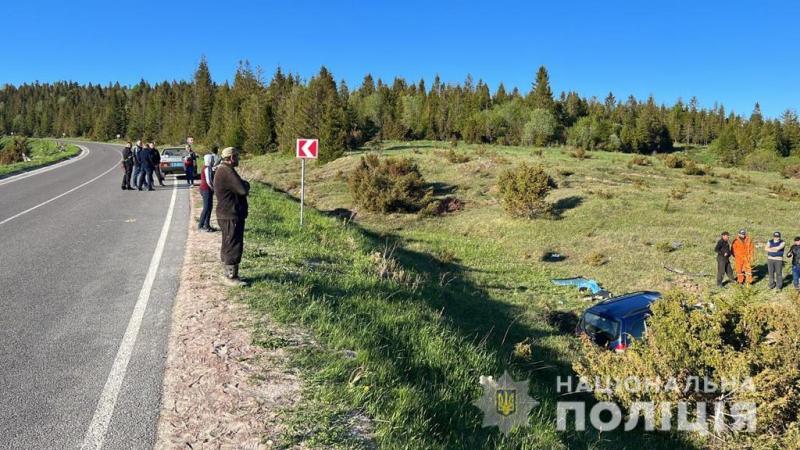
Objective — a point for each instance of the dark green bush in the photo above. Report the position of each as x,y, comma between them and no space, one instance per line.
523,191
388,185
13,150
722,338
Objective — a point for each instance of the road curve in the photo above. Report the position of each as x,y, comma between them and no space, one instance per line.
88,275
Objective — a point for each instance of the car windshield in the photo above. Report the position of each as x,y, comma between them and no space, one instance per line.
173,152
598,325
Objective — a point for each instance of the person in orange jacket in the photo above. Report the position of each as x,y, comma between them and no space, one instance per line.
743,252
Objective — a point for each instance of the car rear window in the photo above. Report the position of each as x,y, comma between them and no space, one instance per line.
594,325
173,152
636,327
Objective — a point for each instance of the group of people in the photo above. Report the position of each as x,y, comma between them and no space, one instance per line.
138,165
218,179
743,251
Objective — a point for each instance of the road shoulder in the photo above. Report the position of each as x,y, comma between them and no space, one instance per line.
219,390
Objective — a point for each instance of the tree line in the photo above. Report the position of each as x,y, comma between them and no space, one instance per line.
264,116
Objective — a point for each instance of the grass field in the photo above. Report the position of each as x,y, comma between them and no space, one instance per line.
42,153
429,304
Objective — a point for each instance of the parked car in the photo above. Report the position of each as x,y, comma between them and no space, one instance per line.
614,322
172,160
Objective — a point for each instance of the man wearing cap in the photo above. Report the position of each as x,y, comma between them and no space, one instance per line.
231,192
723,251
794,255
774,249
743,252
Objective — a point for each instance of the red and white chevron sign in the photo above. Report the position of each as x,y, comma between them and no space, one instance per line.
307,148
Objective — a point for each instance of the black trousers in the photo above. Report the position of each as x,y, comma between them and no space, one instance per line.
127,168
723,268
232,240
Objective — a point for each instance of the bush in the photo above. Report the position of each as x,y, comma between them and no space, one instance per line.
737,337
674,161
388,185
597,259
541,129
523,191
455,157
791,171
782,191
692,168
13,150
580,153
639,160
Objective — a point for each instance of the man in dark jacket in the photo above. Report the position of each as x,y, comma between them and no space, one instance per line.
145,159
794,255
231,192
127,166
156,157
723,250
137,169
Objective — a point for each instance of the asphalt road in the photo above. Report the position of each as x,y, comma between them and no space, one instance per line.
88,275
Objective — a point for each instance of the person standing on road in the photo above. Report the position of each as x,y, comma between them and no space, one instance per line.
156,163
774,249
207,191
189,163
231,192
723,250
794,255
127,167
137,169
146,169
743,252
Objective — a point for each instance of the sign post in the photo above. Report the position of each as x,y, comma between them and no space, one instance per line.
305,149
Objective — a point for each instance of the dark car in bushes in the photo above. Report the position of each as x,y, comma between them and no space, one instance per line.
614,322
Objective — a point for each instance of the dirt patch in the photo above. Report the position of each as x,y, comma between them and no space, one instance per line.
220,390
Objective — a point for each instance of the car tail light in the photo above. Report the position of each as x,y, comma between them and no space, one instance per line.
164,165
620,347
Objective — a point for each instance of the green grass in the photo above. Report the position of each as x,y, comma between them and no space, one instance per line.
474,283
43,152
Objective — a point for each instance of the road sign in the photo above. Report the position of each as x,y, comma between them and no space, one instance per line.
307,148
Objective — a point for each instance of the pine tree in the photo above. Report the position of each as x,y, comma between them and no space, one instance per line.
541,96
202,100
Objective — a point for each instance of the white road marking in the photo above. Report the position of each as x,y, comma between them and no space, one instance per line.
84,153
96,434
115,166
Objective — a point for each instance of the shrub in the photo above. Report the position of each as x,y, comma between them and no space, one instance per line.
639,160
523,191
791,171
674,161
737,337
455,157
388,185
782,191
596,259
580,153
692,168
541,128
679,192
13,150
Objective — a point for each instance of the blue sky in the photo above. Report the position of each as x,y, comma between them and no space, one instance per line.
732,52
